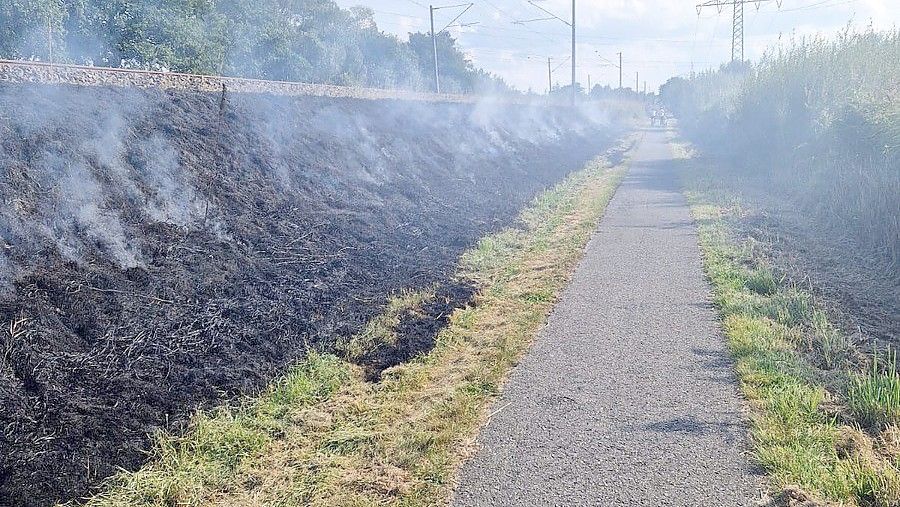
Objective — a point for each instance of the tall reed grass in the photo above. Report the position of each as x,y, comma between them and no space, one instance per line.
817,121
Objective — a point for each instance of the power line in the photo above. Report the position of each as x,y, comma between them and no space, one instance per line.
513,20
737,21
489,27
570,24
431,9
819,5
566,59
712,37
468,6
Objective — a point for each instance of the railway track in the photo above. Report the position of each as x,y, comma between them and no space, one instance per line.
41,72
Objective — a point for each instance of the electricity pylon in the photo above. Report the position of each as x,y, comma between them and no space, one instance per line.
737,21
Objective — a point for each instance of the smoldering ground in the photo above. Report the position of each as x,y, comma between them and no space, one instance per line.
163,251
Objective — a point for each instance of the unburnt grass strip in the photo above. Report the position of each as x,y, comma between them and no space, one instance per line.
326,435
824,415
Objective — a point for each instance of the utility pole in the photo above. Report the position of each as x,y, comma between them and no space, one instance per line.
574,92
620,70
571,24
50,38
645,88
636,81
437,81
549,77
431,9
737,21
589,84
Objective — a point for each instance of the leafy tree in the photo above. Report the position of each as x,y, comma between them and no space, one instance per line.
295,40
27,27
454,70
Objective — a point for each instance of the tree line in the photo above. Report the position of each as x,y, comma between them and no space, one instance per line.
293,40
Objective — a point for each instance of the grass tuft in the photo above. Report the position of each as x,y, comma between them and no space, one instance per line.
835,348
762,281
874,396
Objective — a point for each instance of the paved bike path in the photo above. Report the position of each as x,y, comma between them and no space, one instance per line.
627,397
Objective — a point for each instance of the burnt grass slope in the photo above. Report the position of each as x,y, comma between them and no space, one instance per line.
164,251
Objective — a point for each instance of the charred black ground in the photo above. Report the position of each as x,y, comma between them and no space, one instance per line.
418,328
163,251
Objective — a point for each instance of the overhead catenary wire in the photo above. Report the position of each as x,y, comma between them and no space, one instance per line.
468,6
570,24
496,14
484,28
512,19
566,59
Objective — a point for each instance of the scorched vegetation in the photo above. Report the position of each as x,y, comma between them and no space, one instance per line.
323,435
161,251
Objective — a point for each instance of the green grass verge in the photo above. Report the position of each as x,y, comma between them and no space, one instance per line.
818,422
322,435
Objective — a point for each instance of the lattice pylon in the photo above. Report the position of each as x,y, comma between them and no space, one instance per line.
737,32
737,26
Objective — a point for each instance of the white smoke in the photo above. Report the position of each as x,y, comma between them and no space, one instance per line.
78,213
173,199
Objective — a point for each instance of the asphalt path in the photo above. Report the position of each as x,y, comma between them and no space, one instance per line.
628,396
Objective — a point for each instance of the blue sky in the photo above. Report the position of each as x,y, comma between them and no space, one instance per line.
658,38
